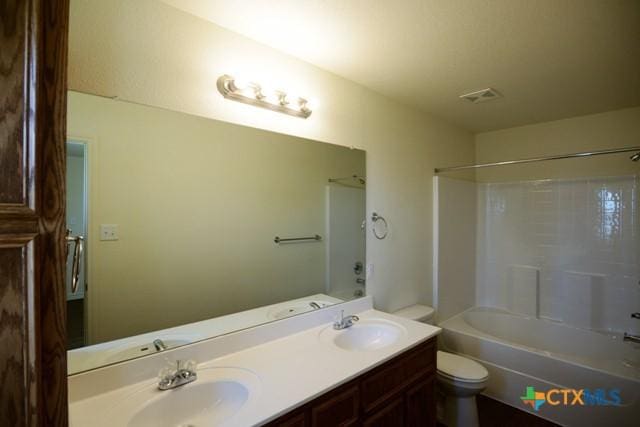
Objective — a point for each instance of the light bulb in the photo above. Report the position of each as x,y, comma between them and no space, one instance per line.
303,105
256,91
292,101
241,84
312,104
274,97
246,87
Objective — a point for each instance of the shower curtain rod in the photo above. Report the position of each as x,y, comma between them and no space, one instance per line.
539,159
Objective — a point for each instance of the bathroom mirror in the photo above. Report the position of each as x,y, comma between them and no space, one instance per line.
182,228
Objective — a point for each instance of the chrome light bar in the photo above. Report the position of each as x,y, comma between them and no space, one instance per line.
253,94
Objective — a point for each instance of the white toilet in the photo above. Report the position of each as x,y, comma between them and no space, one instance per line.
459,379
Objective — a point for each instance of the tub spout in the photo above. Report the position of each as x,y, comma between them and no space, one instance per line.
632,338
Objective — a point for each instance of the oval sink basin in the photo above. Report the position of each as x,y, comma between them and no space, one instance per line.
212,400
365,335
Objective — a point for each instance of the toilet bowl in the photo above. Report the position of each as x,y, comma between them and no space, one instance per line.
459,378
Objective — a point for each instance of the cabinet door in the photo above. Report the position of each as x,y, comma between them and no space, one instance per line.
340,409
390,415
420,403
390,380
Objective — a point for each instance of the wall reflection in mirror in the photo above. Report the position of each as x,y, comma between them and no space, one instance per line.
185,224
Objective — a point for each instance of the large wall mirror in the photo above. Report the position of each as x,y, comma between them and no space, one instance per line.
184,224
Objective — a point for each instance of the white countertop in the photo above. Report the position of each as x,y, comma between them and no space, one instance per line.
292,370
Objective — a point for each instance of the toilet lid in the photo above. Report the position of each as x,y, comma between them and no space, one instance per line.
460,367
419,313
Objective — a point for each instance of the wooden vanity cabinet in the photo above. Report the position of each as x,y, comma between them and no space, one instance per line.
401,392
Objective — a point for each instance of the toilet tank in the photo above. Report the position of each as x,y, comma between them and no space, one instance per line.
418,312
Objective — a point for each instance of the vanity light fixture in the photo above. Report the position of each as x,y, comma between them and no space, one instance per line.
254,94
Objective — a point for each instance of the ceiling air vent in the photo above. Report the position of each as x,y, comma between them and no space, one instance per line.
481,95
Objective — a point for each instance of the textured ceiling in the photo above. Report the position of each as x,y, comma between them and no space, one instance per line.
551,59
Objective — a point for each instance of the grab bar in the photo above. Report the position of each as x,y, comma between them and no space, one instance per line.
317,237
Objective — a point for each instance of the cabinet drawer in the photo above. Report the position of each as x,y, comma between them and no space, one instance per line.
390,415
389,380
342,409
298,419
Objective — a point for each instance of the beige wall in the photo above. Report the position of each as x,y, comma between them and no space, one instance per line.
612,129
198,203
148,52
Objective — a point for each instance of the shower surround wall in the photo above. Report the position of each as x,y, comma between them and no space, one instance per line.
564,250
455,202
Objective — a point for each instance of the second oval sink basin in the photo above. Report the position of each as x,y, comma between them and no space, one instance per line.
365,335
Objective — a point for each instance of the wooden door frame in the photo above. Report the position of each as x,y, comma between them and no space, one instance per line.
33,82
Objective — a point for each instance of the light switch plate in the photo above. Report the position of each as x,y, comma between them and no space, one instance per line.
108,231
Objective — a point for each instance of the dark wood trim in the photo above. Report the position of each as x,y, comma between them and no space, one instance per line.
19,224
33,60
50,257
8,240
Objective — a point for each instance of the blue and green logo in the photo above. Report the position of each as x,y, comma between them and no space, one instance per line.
533,398
571,397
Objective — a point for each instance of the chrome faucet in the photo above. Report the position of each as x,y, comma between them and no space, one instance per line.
345,322
159,345
630,337
314,305
181,375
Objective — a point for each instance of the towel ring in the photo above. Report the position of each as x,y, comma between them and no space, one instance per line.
378,219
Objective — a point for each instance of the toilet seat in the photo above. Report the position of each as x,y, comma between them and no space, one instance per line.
458,368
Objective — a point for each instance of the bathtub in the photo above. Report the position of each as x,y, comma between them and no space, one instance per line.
520,351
